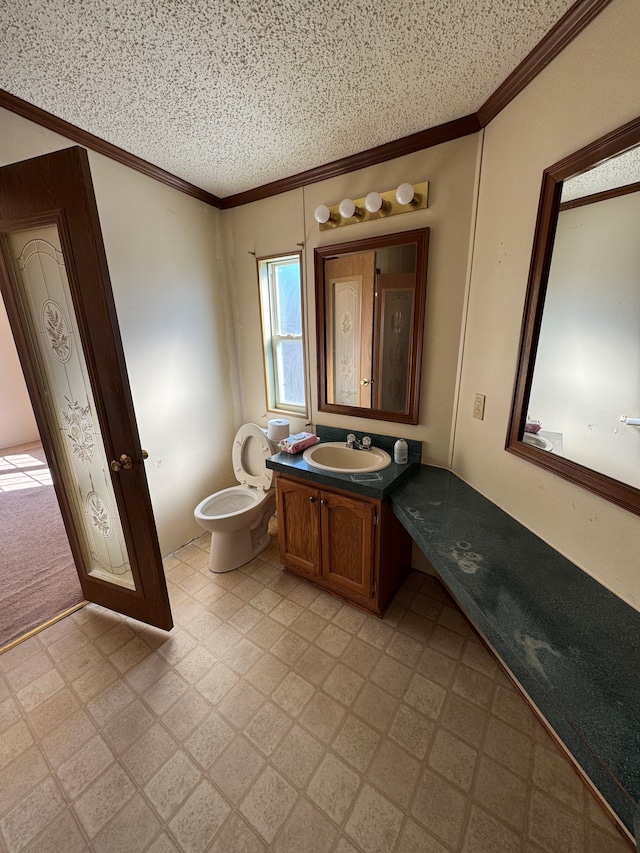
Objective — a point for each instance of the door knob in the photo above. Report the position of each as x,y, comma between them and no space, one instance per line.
145,455
124,462
364,381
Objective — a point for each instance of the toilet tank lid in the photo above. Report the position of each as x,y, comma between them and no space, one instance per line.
251,449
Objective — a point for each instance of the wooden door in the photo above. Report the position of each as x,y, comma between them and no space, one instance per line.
349,333
393,332
348,544
56,288
299,527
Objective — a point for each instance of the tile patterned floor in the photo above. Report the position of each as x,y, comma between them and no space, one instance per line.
274,717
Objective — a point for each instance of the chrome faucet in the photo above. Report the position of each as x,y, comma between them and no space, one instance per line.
354,444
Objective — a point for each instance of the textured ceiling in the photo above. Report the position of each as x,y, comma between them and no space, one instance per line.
616,172
233,94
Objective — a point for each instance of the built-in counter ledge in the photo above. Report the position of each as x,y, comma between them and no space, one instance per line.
572,645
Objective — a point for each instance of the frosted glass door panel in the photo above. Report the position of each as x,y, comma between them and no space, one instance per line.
347,325
44,290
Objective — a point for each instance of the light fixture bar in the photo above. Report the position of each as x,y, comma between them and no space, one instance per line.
390,207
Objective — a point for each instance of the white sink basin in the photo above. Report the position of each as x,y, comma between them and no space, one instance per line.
537,441
335,456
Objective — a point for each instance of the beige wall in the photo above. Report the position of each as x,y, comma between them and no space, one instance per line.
278,224
17,423
169,288
590,89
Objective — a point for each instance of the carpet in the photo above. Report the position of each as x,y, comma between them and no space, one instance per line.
38,578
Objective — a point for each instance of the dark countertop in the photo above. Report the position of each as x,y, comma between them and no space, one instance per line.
572,644
378,484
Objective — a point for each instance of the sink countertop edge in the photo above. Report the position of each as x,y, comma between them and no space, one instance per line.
390,477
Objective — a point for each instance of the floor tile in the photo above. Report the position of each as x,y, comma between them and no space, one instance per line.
172,783
268,803
277,717
86,765
357,743
333,787
31,815
395,773
209,740
100,802
322,716
198,820
453,759
267,728
306,829
412,730
439,807
236,769
298,755
237,835
130,831
375,822
485,834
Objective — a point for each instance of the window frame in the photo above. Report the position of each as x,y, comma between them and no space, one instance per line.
270,338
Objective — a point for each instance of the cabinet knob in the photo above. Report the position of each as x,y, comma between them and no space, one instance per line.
323,502
311,498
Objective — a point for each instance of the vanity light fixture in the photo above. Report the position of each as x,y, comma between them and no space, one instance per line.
375,205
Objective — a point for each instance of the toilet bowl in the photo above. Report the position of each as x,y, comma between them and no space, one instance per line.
238,517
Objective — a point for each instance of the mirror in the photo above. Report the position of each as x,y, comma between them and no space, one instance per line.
370,305
577,390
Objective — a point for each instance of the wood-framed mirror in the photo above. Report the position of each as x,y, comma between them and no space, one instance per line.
577,390
370,307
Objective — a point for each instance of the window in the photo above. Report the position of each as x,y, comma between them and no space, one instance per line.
281,305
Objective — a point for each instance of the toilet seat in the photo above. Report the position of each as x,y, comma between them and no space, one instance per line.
250,449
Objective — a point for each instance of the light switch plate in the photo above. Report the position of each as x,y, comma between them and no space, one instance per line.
478,406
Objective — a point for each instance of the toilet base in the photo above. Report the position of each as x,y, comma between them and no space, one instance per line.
231,550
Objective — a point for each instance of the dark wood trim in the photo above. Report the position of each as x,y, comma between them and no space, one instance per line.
95,143
605,195
389,151
611,144
619,140
568,27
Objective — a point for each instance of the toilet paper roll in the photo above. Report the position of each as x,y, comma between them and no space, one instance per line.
277,429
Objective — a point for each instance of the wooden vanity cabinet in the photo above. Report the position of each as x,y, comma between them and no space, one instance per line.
348,544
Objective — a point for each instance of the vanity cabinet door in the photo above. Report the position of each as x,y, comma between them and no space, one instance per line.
299,526
351,546
347,527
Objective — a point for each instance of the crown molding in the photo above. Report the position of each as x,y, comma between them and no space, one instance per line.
95,143
389,151
567,28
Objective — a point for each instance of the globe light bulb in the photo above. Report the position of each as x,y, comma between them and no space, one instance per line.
322,214
347,208
405,194
373,202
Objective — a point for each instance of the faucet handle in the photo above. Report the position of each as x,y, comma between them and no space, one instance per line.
351,439
366,442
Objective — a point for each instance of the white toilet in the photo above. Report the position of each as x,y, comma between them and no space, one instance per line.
238,517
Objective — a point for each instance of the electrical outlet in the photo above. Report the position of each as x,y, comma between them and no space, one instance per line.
478,406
